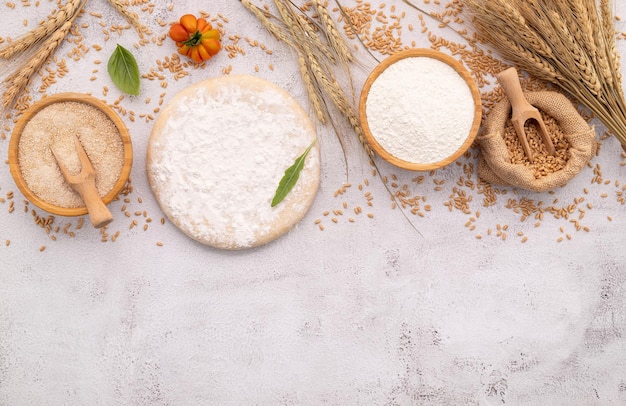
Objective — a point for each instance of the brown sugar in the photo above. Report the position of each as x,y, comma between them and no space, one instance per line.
53,126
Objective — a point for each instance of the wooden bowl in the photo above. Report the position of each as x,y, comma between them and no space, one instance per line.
14,165
465,75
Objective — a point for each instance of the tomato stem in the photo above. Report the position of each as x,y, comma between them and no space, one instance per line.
194,39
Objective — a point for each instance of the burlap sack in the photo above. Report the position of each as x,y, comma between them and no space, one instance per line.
495,164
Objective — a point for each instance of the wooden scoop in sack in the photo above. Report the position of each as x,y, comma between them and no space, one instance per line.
85,184
523,111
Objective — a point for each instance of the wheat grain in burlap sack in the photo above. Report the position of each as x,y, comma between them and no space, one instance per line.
495,163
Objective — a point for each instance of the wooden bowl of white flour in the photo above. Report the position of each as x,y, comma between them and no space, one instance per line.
420,109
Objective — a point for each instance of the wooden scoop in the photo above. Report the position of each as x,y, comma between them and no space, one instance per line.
85,184
523,111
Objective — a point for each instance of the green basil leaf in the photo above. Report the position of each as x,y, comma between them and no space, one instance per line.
290,177
123,69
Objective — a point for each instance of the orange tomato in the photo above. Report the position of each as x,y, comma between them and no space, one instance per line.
179,33
196,38
190,22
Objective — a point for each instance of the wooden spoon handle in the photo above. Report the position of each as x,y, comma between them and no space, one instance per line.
99,214
509,80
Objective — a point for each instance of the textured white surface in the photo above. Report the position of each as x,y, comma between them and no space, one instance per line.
370,312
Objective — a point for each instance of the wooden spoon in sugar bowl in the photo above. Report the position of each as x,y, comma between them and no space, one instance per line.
85,184
14,145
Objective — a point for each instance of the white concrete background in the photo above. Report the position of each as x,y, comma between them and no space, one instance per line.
370,312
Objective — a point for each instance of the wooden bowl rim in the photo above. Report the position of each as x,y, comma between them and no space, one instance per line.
428,53
14,166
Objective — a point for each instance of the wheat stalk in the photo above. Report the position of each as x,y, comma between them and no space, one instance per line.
18,80
131,17
287,35
335,93
49,26
314,60
583,61
312,76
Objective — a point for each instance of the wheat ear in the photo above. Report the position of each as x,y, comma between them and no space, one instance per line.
333,90
310,33
131,17
576,55
313,92
315,73
530,36
337,42
608,29
42,31
278,32
588,20
284,10
337,96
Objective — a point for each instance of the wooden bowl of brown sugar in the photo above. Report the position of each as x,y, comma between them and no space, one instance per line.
51,122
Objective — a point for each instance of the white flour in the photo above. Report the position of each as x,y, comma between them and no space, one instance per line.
420,110
221,159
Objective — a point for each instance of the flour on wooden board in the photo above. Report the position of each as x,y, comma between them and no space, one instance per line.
219,157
